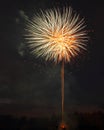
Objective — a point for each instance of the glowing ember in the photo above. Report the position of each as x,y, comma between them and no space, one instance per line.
63,126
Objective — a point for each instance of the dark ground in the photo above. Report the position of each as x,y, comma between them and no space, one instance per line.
75,121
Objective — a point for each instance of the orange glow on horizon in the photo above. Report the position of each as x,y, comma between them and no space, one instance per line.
63,126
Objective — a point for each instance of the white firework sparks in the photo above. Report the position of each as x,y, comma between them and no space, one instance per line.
56,35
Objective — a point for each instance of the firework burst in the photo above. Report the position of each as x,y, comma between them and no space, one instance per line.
56,35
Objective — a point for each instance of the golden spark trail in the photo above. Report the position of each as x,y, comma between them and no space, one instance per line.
62,89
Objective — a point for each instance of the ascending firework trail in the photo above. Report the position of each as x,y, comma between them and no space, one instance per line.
62,89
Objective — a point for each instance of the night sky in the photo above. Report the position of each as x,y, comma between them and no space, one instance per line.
29,85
